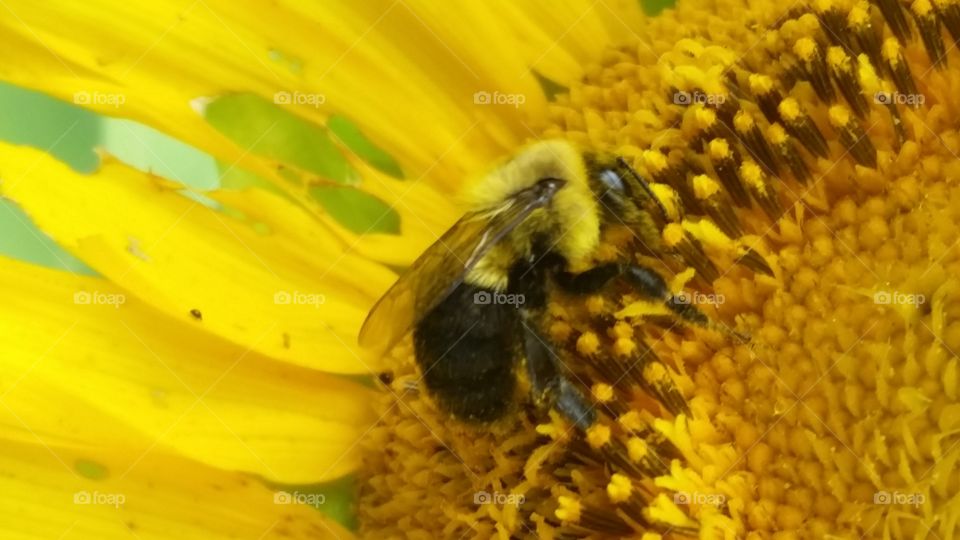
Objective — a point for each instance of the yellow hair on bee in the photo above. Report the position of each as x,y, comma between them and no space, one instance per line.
572,219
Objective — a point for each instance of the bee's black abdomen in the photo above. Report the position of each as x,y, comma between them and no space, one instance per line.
467,350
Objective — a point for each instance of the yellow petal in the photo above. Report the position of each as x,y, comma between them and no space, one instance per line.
292,300
51,492
414,96
420,228
78,350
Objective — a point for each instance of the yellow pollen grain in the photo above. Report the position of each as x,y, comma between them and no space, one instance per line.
631,421
838,60
753,175
588,343
704,187
891,51
603,392
823,6
620,488
598,435
705,117
743,122
922,8
806,49
621,329
673,234
790,110
595,305
777,134
654,160
560,331
859,15
568,509
719,149
637,449
839,116
624,347
654,372
760,84
555,309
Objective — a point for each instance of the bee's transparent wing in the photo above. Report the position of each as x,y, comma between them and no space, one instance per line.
443,266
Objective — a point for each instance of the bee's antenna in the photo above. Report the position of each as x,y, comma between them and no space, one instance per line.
646,187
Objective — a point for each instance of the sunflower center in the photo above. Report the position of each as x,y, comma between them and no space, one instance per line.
807,158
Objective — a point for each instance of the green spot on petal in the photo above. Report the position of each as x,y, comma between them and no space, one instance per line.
266,129
357,211
550,88
350,136
654,7
90,469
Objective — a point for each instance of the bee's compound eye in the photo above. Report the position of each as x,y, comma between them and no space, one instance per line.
612,180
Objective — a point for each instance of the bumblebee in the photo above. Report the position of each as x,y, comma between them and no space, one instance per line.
476,299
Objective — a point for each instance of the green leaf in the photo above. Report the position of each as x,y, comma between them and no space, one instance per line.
22,240
350,136
264,128
357,211
335,499
67,132
149,150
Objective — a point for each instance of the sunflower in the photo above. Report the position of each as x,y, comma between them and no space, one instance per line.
206,367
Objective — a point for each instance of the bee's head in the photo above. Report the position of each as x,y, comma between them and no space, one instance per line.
623,195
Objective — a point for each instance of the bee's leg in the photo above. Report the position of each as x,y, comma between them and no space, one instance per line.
548,383
649,283
645,281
